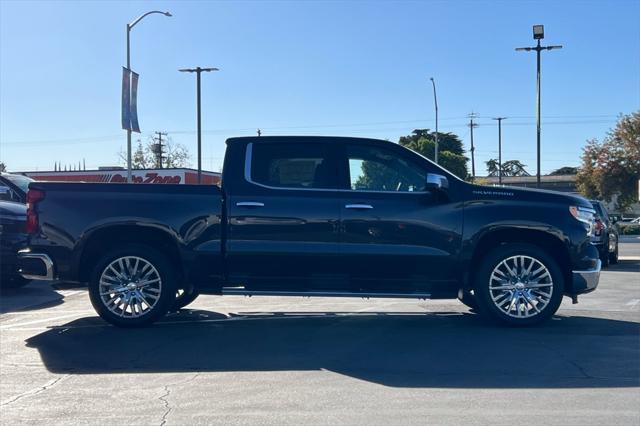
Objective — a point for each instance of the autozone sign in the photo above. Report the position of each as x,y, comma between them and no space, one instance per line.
149,177
158,176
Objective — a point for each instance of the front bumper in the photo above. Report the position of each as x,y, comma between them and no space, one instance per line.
587,280
35,266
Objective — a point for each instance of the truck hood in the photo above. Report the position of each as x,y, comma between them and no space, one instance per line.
480,192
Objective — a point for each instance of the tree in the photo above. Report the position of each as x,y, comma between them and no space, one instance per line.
509,168
566,170
611,167
144,157
3,167
450,149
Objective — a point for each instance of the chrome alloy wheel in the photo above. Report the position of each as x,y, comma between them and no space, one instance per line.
130,287
521,286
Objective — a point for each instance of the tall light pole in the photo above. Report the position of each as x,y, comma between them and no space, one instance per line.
198,71
499,119
435,100
538,34
129,28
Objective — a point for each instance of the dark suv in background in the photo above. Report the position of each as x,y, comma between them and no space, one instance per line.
605,234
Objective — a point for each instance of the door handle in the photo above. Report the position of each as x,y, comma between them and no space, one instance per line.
359,206
250,204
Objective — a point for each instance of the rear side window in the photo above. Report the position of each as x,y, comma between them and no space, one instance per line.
293,165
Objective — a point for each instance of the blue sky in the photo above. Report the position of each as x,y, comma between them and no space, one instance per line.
356,68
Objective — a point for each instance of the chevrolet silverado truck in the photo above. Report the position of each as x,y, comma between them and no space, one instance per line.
314,216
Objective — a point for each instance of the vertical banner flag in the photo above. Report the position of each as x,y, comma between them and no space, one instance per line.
126,108
130,100
133,106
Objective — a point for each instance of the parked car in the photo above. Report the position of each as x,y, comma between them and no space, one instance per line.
314,216
13,237
605,234
14,187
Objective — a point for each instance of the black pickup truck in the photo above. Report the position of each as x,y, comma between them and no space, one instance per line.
314,216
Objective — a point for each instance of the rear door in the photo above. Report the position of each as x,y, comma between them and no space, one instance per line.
284,219
396,236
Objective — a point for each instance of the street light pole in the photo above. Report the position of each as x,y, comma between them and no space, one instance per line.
499,119
198,71
435,100
538,34
129,28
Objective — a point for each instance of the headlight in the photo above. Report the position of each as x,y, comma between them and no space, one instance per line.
584,215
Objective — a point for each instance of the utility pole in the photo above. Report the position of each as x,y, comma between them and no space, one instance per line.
499,119
157,149
472,125
538,34
198,71
435,100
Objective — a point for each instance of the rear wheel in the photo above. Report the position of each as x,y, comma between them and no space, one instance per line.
132,286
184,296
604,257
519,284
468,299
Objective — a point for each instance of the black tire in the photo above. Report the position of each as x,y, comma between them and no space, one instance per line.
165,294
13,281
469,300
483,293
183,298
613,257
604,256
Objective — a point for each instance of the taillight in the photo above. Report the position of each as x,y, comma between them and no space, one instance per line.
598,227
33,197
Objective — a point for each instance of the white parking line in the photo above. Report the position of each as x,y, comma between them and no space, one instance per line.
633,302
20,324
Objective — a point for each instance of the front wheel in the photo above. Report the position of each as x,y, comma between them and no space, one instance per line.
519,284
132,286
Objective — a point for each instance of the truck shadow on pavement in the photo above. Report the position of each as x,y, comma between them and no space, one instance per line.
448,350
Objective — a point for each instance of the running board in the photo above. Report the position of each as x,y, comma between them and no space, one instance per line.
240,291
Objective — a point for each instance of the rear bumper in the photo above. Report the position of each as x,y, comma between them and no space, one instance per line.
587,280
35,266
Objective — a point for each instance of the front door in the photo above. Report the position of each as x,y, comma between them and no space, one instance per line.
396,236
284,219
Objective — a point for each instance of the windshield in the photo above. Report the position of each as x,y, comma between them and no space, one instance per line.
20,181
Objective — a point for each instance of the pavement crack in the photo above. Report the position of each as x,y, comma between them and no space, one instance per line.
35,391
164,398
165,402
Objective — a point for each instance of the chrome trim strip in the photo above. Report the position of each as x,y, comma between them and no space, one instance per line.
241,291
590,271
247,176
358,206
250,204
48,263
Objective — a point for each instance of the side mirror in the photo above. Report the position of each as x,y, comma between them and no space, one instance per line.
436,182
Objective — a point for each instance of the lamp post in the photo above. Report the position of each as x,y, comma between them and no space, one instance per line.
129,28
435,100
538,34
499,119
198,71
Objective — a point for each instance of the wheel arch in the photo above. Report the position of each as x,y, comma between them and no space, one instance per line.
545,240
105,238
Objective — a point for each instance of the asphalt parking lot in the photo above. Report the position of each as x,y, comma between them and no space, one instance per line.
275,360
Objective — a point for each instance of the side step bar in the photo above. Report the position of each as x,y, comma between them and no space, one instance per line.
241,291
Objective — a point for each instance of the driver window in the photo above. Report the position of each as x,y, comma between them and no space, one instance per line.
376,169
